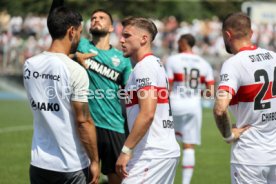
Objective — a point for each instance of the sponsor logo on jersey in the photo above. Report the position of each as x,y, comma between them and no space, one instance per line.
36,75
115,61
27,74
224,77
43,106
143,82
104,70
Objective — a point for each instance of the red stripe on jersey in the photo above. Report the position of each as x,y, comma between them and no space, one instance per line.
148,54
162,95
228,89
170,80
208,83
178,77
251,47
202,79
248,93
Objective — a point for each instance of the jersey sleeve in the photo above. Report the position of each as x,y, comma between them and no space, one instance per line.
79,84
145,76
126,72
229,78
169,69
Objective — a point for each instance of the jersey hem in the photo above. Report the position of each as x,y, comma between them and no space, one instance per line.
255,164
122,132
58,170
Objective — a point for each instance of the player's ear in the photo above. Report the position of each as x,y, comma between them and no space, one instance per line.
71,32
144,39
228,35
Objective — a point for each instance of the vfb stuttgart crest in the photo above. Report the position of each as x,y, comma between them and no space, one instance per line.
115,61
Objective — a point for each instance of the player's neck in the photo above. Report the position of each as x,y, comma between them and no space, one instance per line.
102,42
140,54
186,51
242,43
59,46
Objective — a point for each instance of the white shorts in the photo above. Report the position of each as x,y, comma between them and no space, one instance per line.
251,174
188,126
150,171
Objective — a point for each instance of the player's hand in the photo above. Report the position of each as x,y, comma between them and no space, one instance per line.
95,172
121,165
81,57
238,132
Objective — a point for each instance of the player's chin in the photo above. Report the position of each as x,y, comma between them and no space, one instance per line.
125,53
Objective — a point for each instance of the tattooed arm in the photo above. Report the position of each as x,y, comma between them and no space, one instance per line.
87,132
223,120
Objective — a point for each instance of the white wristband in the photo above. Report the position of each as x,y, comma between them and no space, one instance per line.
126,150
230,138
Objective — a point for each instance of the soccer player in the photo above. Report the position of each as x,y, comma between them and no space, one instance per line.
247,85
150,153
108,71
187,73
64,134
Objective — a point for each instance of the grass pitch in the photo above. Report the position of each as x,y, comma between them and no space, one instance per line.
212,157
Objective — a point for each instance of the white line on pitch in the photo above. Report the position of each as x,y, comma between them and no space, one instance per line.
16,129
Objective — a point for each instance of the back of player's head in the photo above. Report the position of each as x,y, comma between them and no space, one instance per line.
60,19
238,24
188,38
142,23
104,11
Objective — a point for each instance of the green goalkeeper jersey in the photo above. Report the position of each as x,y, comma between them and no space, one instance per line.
107,71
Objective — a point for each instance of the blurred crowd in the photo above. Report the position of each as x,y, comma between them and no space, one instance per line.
21,38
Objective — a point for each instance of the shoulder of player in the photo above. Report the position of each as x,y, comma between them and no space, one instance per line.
84,44
83,40
149,62
34,58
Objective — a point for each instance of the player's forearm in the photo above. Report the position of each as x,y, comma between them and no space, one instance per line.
140,128
223,121
88,138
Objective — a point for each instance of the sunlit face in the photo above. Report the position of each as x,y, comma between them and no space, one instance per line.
130,40
100,24
76,39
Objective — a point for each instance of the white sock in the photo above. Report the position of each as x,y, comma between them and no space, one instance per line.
188,163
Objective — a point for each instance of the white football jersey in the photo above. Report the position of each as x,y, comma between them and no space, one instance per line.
159,141
52,81
250,77
189,73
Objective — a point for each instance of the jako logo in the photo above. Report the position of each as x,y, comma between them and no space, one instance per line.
44,106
